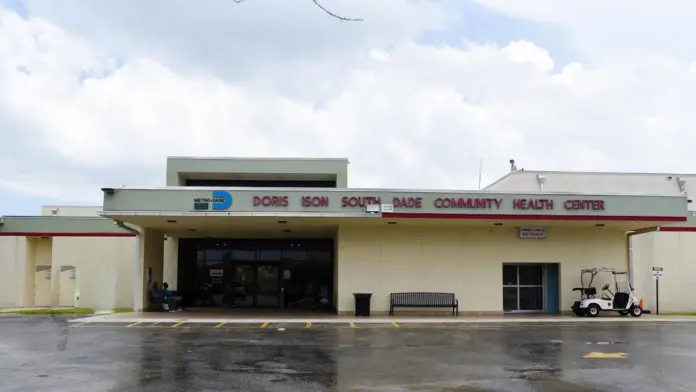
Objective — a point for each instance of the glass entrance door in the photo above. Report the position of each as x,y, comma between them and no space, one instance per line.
268,284
523,287
244,286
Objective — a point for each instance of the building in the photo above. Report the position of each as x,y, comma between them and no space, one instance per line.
671,247
287,233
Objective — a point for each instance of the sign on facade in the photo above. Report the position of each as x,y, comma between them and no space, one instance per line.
387,208
657,273
216,272
532,232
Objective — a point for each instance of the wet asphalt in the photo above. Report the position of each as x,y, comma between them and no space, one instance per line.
47,354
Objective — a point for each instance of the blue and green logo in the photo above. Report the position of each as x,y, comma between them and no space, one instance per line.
219,201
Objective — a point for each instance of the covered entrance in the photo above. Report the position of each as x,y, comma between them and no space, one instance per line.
256,273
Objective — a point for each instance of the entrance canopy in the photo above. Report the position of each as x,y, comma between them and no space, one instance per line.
194,211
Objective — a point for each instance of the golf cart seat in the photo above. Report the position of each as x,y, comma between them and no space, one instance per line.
621,300
589,292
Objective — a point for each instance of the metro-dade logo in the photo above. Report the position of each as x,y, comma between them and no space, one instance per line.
220,200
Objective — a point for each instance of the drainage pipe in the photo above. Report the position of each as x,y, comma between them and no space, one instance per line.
137,276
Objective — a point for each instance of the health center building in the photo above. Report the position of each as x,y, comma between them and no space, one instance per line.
233,233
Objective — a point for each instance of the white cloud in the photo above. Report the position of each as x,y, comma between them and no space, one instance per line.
406,114
610,28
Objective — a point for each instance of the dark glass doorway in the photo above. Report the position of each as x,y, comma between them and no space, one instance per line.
285,274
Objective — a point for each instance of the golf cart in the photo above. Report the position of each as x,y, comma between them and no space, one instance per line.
621,300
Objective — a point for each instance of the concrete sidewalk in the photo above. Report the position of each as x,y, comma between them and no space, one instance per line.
201,319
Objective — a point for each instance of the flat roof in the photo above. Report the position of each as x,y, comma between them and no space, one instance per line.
383,190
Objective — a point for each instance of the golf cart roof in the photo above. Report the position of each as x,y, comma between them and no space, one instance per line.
595,271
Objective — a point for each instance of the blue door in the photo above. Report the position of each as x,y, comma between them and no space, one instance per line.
552,289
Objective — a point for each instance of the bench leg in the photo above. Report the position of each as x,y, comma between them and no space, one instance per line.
391,310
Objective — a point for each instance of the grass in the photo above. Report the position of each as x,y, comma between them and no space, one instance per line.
53,311
123,310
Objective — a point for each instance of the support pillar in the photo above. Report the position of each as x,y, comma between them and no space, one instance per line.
171,262
150,266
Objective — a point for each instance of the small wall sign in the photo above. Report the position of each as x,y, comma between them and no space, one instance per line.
216,273
532,232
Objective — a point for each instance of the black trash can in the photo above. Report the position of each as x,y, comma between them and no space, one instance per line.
362,304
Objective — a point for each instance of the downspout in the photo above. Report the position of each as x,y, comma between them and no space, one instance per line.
137,278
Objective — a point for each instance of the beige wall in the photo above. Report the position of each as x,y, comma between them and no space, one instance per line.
104,269
623,183
676,253
12,271
467,262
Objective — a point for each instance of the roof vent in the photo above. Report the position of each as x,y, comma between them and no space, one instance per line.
513,167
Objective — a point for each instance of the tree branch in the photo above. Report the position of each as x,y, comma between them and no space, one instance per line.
318,4
341,18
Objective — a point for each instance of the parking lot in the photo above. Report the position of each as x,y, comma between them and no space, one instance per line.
50,354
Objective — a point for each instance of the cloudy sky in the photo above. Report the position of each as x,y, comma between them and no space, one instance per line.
97,93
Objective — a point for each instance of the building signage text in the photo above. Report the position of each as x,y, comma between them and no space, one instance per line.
271,201
594,205
360,201
467,202
417,202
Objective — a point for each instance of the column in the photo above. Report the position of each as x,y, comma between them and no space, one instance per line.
171,262
150,267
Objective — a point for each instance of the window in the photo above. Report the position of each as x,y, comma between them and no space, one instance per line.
523,287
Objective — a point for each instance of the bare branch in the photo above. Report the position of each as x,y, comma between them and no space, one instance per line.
341,18
318,4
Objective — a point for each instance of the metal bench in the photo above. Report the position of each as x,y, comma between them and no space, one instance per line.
423,300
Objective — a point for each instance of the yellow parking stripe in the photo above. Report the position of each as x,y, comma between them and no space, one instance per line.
219,325
77,325
352,324
178,324
134,324
308,325
264,325
395,324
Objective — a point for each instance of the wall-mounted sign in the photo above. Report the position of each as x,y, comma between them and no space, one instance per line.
219,201
216,273
532,232
657,273
387,208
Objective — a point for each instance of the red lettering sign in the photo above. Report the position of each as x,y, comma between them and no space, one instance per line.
594,205
315,201
467,202
270,201
532,204
407,202
360,201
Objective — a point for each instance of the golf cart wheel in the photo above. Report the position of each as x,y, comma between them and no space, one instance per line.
636,311
593,310
624,312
